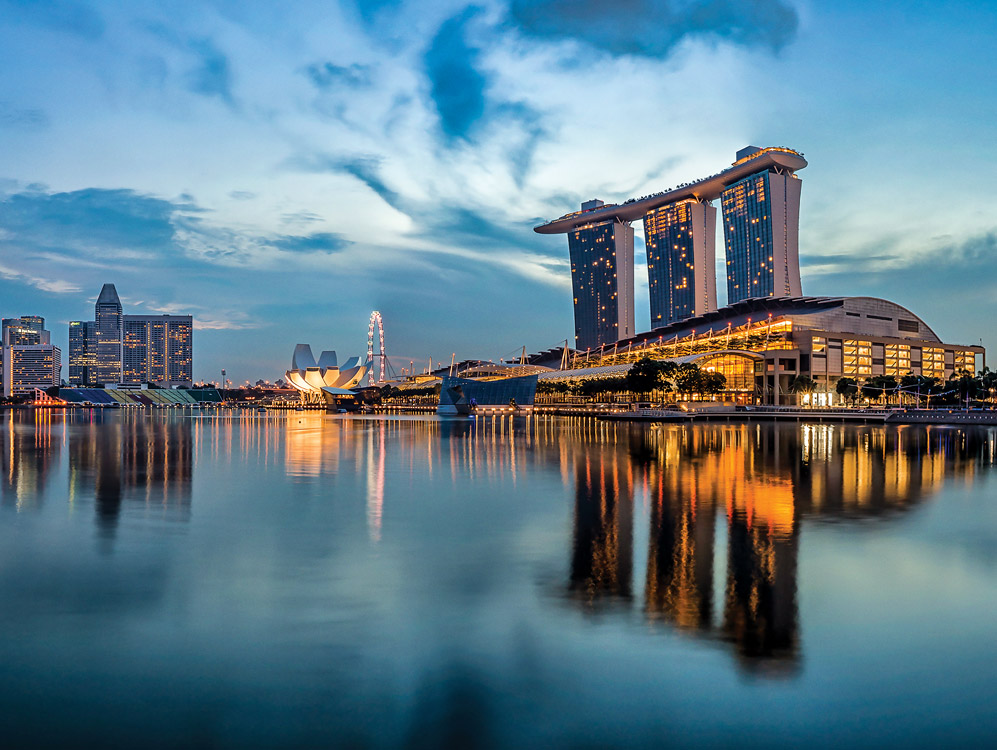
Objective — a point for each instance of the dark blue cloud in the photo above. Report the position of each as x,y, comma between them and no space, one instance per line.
327,75
59,15
456,85
369,10
22,119
652,28
212,75
321,242
87,220
110,225
927,284
367,169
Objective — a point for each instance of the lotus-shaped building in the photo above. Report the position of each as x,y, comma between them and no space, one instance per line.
323,382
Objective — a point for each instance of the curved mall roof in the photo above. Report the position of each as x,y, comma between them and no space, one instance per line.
862,315
705,189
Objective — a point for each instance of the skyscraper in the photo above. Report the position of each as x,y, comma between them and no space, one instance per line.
761,209
28,360
107,336
681,257
761,215
131,349
602,279
158,349
82,352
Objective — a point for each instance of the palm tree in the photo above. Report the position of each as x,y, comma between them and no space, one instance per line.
802,384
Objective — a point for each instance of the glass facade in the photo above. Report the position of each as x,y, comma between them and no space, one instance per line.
131,349
748,236
738,369
158,349
458,395
761,230
107,336
82,353
28,367
602,283
681,277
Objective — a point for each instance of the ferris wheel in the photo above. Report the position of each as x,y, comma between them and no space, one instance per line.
375,320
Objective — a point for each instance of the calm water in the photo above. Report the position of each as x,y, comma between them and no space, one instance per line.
304,580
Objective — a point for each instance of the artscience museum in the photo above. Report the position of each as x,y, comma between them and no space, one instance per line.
324,382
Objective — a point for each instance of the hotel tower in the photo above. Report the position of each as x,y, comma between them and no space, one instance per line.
760,197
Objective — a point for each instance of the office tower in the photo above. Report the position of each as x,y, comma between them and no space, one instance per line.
28,360
158,349
107,336
82,353
602,279
761,215
681,260
23,331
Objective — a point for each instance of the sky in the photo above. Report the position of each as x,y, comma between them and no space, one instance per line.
280,170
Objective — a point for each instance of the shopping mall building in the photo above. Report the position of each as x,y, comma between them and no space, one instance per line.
761,345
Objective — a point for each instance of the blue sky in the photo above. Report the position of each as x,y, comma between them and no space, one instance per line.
280,170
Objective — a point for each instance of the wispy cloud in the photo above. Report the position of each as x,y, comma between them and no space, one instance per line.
44,283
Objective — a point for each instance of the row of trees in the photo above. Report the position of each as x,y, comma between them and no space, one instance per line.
646,378
960,388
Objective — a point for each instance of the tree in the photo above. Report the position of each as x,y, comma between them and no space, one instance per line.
879,387
713,382
847,388
689,379
644,376
802,384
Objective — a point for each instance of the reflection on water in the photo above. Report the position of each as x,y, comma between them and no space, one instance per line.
130,457
30,451
693,534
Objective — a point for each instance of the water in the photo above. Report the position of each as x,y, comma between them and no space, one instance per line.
173,579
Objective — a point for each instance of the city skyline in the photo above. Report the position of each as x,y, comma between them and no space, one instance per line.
210,158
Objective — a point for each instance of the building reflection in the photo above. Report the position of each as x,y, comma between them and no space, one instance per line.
129,457
31,445
735,499
602,554
726,505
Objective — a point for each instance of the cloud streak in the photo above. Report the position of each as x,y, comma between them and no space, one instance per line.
653,28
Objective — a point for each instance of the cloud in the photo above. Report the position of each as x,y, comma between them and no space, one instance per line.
97,227
22,119
59,15
209,71
241,195
652,28
320,242
327,75
212,76
45,284
457,86
928,284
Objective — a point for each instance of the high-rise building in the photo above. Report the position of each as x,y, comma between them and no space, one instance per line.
602,279
761,215
761,209
28,360
23,331
82,352
132,349
107,336
681,260
158,349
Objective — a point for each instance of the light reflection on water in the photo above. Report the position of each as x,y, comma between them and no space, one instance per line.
463,572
